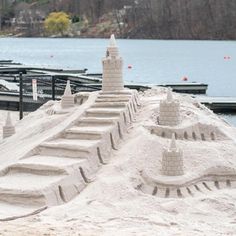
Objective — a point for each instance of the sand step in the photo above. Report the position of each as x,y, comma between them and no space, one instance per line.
26,182
68,147
9,211
106,110
118,105
15,196
115,96
86,133
18,188
46,165
92,129
98,121
73,148
113,99
113,113
122,92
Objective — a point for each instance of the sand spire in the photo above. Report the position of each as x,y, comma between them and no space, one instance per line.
112,68
67,99
67,91
8,128
112,41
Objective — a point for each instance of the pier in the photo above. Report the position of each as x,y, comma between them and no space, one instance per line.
218,104
51,83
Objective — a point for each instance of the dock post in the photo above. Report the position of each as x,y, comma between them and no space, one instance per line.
21,96
53,87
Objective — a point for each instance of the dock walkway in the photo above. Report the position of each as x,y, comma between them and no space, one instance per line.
218,104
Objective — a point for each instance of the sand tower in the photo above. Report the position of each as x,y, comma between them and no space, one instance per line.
8,128
172,160
169,111
67,99
112,68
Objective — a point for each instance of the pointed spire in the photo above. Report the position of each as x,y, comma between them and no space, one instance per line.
8,129
112,41
8,120
169,95
173,145
67,89
67,99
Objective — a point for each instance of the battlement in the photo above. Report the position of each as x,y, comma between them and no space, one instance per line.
169,111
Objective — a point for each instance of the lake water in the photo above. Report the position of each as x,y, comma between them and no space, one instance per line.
152,61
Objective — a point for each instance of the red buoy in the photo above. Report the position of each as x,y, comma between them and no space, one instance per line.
227,57
185,78
129,66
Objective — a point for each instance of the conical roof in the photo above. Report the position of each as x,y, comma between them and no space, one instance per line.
112,41
8,120
67,89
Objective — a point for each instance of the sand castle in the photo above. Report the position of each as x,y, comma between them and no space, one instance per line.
172,180
67,100
172,160
66,160
169,111
112,69
8,128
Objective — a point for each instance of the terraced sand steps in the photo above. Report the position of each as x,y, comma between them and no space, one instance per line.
189,185
60,168
201,187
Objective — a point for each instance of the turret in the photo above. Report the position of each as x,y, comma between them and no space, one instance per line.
8,128
169,111
112,68
172,160
67,99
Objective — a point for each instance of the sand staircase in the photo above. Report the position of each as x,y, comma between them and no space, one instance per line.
60,168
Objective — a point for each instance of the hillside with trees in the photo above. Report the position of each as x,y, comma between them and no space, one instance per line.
162,19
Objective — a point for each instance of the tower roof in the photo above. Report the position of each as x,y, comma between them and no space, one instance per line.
67,91
112,41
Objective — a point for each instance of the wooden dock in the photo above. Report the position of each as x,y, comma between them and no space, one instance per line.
51,83
187,87
219,104
10,101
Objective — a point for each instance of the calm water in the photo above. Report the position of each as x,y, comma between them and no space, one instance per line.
153,61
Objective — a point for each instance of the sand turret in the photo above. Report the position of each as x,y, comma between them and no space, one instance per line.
8,128
169,110
67,99
172,160
112,68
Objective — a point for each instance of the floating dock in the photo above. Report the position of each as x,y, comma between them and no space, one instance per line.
219,104
187,87
51,83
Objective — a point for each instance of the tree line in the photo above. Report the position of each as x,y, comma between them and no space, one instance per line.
166,19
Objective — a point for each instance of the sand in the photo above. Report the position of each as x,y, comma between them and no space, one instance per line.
113,203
